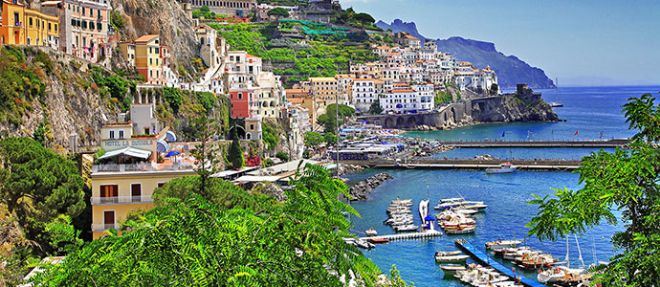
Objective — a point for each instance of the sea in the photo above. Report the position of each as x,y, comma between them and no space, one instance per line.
588,113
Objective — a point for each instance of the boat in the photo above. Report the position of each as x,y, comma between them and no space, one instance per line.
378,240
500,244
556,105
371,232
506,167
552,275
451,258
448,253
450,269
461,230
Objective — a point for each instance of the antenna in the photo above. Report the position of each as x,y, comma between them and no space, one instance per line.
567,259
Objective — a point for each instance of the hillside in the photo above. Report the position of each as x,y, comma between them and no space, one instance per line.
510,69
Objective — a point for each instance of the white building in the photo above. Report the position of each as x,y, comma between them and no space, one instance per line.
364,94
404,98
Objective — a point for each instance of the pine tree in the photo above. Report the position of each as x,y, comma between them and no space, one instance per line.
236,152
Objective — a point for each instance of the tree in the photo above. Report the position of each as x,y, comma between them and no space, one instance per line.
43,134
364,18
375,108
228,237
313,139
235,153
329,119
626,180
278,13
283,156
38,186
330,138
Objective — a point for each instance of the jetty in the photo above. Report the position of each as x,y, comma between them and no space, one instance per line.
485,260
610,143
430,163
407,235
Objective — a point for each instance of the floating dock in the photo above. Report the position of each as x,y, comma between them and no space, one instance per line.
484,259
407,235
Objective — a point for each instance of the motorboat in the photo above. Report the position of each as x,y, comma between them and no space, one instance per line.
506,167
378,240
461,230
450,270
501,244
448,253
371,232
551,275
451,258
409,227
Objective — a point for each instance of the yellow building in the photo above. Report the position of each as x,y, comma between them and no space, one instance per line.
22,26
325,92
119,190
125,177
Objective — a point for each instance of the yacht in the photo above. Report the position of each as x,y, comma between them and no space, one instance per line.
506,167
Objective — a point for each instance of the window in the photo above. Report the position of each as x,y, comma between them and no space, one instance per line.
161,184
108,219
17,21
109,193
112,134
121,134
136,192
30,21
49,27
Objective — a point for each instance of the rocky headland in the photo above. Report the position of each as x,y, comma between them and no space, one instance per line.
362,189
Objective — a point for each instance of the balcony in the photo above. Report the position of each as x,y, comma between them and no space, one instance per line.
142,167
104,227
121,199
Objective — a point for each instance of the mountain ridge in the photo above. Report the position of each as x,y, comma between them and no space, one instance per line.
510,69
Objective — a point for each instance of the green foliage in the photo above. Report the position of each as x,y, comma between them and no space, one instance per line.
362,20
38,186
117,21
227,237
270,135
279,12
43,134
330,138
329,119
442,97
99,153
626,180
207,100
173,98
313,139
20,83
375,108
63,236
203,12
114,85
322,57
235,153
283,156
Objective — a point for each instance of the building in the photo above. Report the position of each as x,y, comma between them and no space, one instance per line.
242,100
23,26
404,98
149,56
407,40
213,48
298,125
263,9
325,92
133,166
240,8
364,94
85,29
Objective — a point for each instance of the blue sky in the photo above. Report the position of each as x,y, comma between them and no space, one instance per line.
581,42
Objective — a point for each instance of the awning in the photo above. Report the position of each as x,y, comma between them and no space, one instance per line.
128,151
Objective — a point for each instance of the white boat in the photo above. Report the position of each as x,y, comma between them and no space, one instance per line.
451,258
500,244
506,167
409,227
454,199
461,230
371,232
448,253
450,270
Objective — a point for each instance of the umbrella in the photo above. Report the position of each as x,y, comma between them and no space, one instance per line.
172,153
429,218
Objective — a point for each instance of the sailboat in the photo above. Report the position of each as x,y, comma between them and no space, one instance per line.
565,274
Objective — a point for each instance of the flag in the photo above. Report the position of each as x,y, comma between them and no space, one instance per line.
577,132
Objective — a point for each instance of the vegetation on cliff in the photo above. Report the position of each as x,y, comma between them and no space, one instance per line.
323,56
626,180
21,81
227,236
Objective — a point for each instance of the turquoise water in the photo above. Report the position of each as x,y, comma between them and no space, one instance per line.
594,112
506,196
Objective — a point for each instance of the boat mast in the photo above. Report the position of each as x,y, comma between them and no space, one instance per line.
579,251
567,259
593,250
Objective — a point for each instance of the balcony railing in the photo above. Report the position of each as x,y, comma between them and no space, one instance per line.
103,227
111,167
121,199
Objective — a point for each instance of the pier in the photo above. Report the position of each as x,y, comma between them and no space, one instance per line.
407,235
612,143
484,259
428,163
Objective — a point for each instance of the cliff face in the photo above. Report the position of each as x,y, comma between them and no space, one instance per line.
166,18
69,104
510,69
